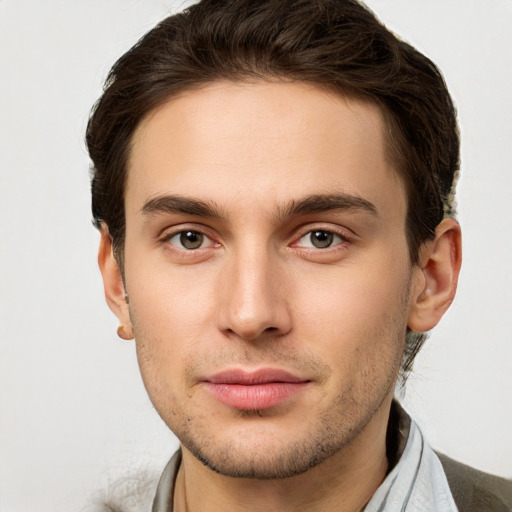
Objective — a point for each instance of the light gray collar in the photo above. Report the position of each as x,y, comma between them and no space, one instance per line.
416,483
165,491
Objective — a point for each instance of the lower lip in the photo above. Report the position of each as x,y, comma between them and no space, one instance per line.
257,396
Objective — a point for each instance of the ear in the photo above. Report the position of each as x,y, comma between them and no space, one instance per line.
436,277
113,284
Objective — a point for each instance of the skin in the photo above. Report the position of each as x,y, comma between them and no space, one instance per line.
257,292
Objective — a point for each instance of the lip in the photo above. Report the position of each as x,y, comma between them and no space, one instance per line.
255,390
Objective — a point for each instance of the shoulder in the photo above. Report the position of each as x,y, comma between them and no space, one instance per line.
134,492
476,491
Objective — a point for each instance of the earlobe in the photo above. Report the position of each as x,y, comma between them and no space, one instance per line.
115,293
436,278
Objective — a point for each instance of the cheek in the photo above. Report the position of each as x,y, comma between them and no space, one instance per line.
169,302
357,314
170,314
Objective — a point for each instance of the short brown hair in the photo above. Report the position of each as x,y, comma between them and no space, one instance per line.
338,44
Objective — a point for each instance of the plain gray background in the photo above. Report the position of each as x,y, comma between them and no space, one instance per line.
73,413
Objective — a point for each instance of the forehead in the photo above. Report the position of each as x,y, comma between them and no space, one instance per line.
262,143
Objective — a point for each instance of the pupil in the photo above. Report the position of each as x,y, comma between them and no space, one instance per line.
321,239
191,239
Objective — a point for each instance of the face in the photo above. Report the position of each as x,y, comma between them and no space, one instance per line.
267,270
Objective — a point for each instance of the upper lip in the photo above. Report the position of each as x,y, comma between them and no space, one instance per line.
254,377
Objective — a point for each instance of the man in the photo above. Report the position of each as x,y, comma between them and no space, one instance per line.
273,181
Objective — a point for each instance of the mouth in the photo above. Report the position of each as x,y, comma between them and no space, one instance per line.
255,390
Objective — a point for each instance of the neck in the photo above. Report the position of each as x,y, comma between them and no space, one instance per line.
344,482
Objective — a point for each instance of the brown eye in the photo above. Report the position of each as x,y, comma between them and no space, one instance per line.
191,239
321,239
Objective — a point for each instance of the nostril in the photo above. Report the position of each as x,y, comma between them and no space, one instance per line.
253,334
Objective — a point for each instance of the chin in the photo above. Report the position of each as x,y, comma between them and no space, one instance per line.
259,464
268,453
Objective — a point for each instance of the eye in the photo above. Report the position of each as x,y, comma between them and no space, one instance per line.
320,239
190,240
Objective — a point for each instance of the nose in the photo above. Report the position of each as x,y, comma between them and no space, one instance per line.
253,302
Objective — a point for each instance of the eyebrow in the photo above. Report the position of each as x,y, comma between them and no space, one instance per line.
311,204
183,205
327,202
